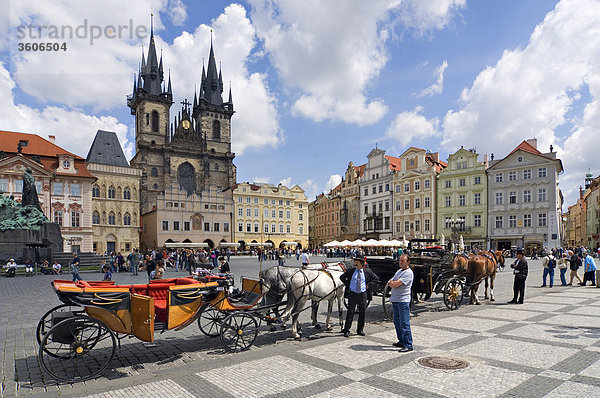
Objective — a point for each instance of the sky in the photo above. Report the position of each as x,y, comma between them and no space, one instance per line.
319,83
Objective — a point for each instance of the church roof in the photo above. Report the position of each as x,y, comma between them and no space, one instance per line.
106,149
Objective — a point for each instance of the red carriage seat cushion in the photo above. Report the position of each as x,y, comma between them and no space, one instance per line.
160,292
139,289
185,281
163,281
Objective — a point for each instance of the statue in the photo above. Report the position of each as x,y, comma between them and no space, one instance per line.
30,196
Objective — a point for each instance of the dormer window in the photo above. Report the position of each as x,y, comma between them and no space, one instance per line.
66,164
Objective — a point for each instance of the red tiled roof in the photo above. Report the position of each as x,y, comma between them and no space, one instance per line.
395,163
36,145
527,147
360,169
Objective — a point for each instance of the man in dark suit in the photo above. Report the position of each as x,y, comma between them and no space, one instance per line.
357,281
520,270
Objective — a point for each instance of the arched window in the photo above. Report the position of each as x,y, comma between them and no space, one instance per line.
216,130
154,172
126,194
95,218
111,192
155,121
126,219
186,177
111,218
95,191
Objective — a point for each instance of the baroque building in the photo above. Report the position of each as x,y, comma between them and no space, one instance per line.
192,154
115,196
462,199
266,213
327,217
62,180
350,202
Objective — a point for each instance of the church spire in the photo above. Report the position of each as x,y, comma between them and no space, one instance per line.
160,68
169,90
152,72
212,93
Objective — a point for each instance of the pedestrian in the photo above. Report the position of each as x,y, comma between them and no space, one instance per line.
56,267
357,281
149,265
224,267
107,273
29,267
11,268
549,263
159,271
574,264
75,267
304,259
563,264
520,270
134,261
589,267
401,284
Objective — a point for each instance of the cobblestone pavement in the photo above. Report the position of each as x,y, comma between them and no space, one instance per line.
547,347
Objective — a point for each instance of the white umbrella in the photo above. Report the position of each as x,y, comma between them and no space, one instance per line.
395,243
332,244
461,244
371,242
358,243
443,240
345,242
385,243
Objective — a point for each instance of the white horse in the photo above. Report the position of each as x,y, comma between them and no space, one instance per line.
315,285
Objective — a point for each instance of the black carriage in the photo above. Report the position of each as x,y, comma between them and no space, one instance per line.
432,270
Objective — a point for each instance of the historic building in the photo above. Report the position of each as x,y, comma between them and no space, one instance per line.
311,225
63,184
350,202
192,155
115,196
524,200
266,213
376,195
462,199
576,223
327,217
592,211
414,187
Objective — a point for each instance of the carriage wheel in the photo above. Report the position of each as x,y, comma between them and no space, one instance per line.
77,349
209,321
45,322
453,293
387,304
238,331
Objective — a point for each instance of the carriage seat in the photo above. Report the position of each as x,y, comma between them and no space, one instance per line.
245,300
160,292
139,289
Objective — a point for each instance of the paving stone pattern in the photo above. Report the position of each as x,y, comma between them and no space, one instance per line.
549,346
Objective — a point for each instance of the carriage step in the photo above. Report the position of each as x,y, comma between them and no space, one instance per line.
160,325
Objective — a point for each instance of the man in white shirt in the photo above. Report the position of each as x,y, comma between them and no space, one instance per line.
56,267
401,284
304,259
549,263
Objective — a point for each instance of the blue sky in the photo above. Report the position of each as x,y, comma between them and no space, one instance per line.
317,84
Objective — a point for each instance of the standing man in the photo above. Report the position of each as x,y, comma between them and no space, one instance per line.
134,261
75,267
401,284
150,266
520,270
549,263
304,259
589,268
357,281
574,264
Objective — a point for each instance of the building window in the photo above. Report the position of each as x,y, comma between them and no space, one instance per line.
175,225
255,201
406,204
288,228
448,202
406,187
240,199
272,213
256,230
216,131
154,172
266,213
417,225
111,218
273,228
374,190
127,194
498,222
58,217
4,184
426,225
417,185
280,213
498,177
248,227
477,198
240,227
426,203
406,226
248,200
462,182
75,190
299,205
542,195
207,227
498,198
266,228
398,188
300,216
111,192
248,212
477,220
95,218
542,172
301,230
186,225
398,226
448,222
75,218
541,220
527,196
380,187
512,221
288,214
240,212
462,200
57,188
387,187
95,191
477,181
527,174
127,220
448,184
417,203
366,192
512,176
256,212
398,205
512,197
527,220
155,121
426,184
225,227
280,228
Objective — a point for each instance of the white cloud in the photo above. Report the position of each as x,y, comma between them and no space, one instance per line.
286,182
530,92
74,130
438,86
423,16
262,180
334,181
177,12
329,51
409,126
311,189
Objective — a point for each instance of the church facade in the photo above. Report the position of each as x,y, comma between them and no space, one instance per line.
190,158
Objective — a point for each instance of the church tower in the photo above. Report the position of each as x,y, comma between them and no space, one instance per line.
150,103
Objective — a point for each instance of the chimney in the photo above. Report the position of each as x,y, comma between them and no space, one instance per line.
532,142
485,158
51,138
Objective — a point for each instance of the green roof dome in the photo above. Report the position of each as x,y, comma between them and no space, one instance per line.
589,174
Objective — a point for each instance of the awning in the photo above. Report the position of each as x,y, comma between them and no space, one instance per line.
290,243
256,244
190,245
229,244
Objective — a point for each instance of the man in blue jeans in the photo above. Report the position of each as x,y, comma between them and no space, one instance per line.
401,284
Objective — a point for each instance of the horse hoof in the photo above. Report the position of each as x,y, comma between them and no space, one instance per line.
329,328
478,303
317,326
492,299
298,338
486,297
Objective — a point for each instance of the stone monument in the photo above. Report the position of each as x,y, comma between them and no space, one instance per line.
25,232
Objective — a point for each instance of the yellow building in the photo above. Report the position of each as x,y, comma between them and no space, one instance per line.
115,196
265,213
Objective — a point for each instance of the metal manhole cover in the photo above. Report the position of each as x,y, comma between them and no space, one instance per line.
446,363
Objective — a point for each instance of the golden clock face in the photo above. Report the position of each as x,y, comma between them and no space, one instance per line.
186,124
